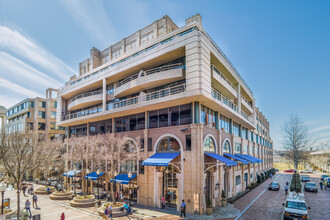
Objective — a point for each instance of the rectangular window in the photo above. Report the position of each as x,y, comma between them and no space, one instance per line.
175,114
141,121
147,37
110,89
42,114
129,123
142,144
132,123
185,114
42,104
188,142
41,126
149,144
237,148
52,114
31,104
130,46
245,149
238,180
52,125
236,129
116,53
29,126
163,117
153,119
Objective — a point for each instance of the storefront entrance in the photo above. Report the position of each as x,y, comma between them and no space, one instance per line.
170,186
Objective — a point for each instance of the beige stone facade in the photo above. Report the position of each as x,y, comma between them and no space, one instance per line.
177,91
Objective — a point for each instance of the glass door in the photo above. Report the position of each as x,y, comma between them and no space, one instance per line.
170,186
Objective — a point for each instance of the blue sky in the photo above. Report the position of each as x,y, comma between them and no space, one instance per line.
281,48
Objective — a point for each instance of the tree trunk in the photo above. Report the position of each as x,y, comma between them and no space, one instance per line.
18,201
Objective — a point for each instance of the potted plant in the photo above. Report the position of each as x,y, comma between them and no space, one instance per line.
223,198
208,206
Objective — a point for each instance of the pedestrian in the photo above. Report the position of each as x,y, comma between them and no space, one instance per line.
163,202
128,209
183,209
37,180
27,207
116,196
286,189
110,211
321,185
62,216
34,201
106,213
121,196
24,189
325,185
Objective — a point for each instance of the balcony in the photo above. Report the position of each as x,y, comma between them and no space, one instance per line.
149,79
142,98
216,94
85,99
224,81
247,105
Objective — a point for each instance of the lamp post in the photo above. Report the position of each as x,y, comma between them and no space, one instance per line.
3,187
98,187
87,171
74,182
129,180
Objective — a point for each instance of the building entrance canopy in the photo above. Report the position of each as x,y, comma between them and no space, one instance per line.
122,179
71,173
249,158
160,159
93,176
237,158
227,161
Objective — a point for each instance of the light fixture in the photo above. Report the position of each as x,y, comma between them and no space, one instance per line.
217,186
184,129
98,172
129,175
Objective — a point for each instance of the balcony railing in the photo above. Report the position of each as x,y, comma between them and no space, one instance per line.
85,95
149,72
216,94
223,77
249,103
131,101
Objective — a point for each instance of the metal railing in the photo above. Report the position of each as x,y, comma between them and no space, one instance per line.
149,72
130,101
216,94
247,101
85,95
223,77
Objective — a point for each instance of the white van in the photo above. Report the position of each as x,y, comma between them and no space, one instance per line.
295,207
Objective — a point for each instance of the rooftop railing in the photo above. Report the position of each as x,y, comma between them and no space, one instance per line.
223,77
149,72
87,94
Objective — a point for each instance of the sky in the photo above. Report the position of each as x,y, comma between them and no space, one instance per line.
281,48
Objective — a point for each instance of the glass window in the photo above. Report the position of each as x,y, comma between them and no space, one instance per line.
142,144
128,166
52,114
185,114
174,114
141,121
237,148
153,119
245,149
238,180
244,133
129,146
236,129
110,89
224,123
42,104
53,125
132,123
141,168
188,142
209,144
42,114
251,150
149,144
226,147
41,126
163,117
168,144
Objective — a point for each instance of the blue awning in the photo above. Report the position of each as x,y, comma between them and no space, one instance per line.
93,176
71,173
249,158
122,179
237,158
227,161
160,159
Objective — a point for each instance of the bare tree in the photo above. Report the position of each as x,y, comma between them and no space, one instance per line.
296,140
22,153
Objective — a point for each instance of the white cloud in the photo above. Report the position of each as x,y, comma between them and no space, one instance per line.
320,128
92,18
7,85
15,43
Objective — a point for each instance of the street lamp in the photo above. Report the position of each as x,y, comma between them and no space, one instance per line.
129,180
87,171
98,187
3,187
74,182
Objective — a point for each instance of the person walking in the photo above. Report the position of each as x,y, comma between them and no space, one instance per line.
163,202
106,213
286,189
321,185
271,176
34,201
24,189
183,209
117,196
325,184
121,196
62,216
27,207
110,211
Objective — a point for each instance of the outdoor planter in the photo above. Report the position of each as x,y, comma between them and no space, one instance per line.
223,202
209,210
61,195
83,201
116,209
43,190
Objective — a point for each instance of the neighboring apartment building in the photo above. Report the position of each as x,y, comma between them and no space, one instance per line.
174,89
35,114
3,111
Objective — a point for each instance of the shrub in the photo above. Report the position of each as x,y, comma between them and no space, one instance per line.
223,194
258,179
208,203
262,177
237,196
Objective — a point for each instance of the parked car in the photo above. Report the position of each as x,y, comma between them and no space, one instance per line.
323,177
274,186
295,207
310,187
328,181
277,170
305,179
289,171
306,171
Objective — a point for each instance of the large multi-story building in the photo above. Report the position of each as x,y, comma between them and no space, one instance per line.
35,114
176,91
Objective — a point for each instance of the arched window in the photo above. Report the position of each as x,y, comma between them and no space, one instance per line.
168,144
129,146
226,147
209,144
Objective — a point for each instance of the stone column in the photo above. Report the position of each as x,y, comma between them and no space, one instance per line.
158,188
